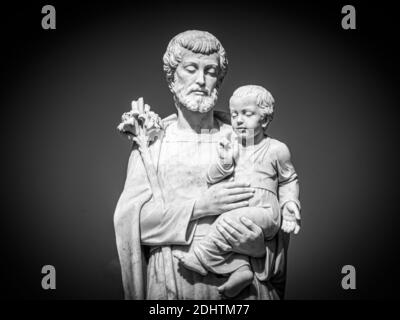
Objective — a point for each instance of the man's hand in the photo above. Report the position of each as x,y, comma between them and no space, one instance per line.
222,197
245,238
291,218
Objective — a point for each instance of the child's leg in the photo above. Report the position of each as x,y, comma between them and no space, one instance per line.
190,261
238,280
206,254
269,220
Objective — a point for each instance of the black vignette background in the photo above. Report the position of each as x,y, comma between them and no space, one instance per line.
63,92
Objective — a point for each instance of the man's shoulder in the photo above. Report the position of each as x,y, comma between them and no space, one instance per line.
169,120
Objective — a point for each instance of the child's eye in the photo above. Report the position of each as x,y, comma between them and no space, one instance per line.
249,114
234,115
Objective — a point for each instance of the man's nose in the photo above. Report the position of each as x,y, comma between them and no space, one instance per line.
200,78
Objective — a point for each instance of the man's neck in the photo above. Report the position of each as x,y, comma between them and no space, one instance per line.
195,121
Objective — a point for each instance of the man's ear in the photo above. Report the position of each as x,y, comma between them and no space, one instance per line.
170,84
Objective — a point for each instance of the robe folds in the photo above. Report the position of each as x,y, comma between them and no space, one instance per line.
149,269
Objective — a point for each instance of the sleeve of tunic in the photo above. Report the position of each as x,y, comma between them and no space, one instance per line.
160,223
165,224
288,184
218,171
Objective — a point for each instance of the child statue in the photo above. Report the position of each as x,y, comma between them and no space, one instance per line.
250,155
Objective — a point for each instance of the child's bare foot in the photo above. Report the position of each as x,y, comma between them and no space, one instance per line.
236,282
191,262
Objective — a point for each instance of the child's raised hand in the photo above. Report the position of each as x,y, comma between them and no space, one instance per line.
227,150
291,218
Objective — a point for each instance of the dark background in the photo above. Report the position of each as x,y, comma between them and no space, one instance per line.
63,92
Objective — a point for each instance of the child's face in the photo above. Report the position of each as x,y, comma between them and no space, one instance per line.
246,117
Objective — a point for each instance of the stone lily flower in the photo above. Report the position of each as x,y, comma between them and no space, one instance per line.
141,126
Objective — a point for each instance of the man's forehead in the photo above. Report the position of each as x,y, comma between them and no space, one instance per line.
189,56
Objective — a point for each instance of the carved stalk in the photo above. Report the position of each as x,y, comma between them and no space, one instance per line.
150,170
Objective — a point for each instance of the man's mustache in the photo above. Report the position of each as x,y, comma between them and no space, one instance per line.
198,90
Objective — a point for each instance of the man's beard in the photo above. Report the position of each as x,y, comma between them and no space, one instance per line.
193,102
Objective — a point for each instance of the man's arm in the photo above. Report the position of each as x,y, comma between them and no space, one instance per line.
160,224
174,223
163,224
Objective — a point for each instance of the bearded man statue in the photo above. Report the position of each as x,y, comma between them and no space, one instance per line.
150,230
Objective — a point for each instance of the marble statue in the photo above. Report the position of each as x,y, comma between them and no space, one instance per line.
167,207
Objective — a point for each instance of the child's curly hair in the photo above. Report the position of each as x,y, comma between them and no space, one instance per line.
265,101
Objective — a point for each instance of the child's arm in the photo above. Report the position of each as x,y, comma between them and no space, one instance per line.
224,165
288,190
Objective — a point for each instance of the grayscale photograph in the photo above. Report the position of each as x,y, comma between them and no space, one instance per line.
214,151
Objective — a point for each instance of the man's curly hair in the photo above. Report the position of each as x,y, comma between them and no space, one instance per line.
196,41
